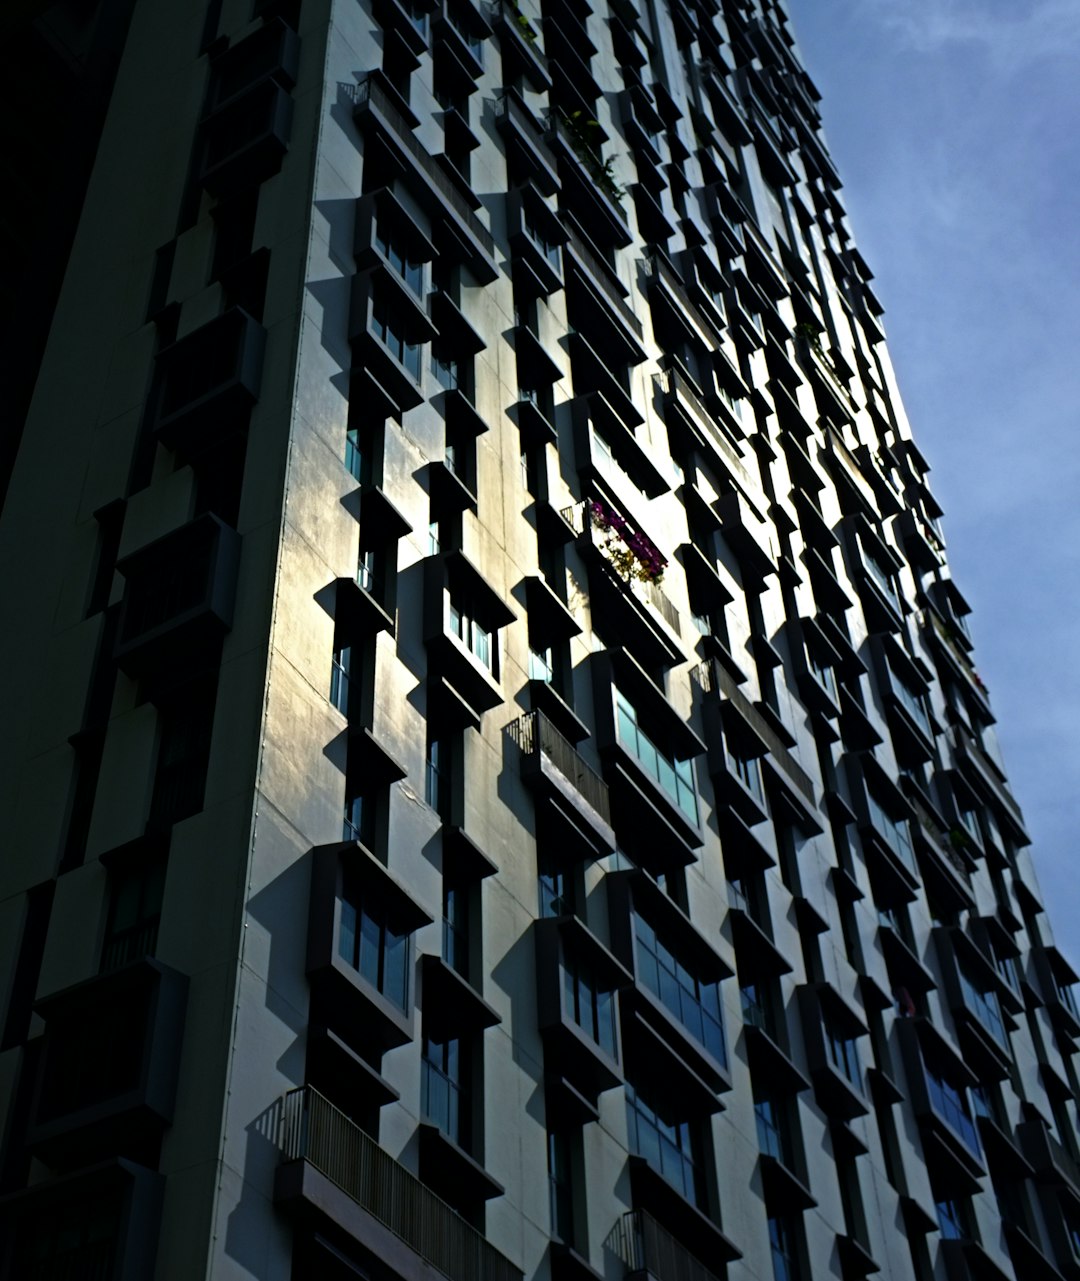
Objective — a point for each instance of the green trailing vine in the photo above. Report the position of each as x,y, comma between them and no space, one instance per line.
586,137
524,25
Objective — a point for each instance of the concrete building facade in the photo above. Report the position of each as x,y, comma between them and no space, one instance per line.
496,781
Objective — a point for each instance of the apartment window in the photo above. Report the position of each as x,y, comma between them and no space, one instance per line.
183,758
134,915
588,1004
823,673
676,778
772,1129
456,927
541,665
693,1001
914,702
475,637
879,570
367,569
339,678
983,1005
358,456
747,769
548,248
371,947
353,820
952,1219
951,1104
390,330
894,831
442,1097
782,1247
560,1186
843,1052
672,1147
450,370
556,891
758,1007
397,257
434,783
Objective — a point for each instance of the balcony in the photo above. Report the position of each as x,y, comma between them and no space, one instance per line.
536,237
109,1062
589,189
209,380
684,411
636,612
178,596
356,997
558,773
375,109
332,1169
245,141
519,44
750,536
650,1251
938,1078
577,978
524,135
462,617
101,1224
1051,1162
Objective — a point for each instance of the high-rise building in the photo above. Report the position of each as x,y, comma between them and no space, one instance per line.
496,786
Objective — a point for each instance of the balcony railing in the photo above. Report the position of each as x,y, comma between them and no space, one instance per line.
648,1249
584,518
313,1130
534,733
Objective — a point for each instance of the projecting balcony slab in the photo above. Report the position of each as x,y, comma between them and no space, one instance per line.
559,775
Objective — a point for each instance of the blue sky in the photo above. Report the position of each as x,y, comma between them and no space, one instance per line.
955,125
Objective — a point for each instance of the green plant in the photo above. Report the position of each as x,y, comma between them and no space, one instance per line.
812,334
959,839
524,26
586,137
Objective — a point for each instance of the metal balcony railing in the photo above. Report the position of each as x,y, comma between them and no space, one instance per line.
312,1129
582,518
645,1247
534,733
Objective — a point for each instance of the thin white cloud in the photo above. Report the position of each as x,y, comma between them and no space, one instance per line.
1013,39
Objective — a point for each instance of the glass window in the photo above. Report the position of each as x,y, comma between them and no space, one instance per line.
771,1129
477,638
984,1005
134,916
748,770
782,1245
951,1220
339,678
370,946
843,1053
676,778
562,1206
441,1084
555,899
456,928
951,1104
694,1002
541,665
588,1004
672,1148
388,329
398,259
356,460
893,831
